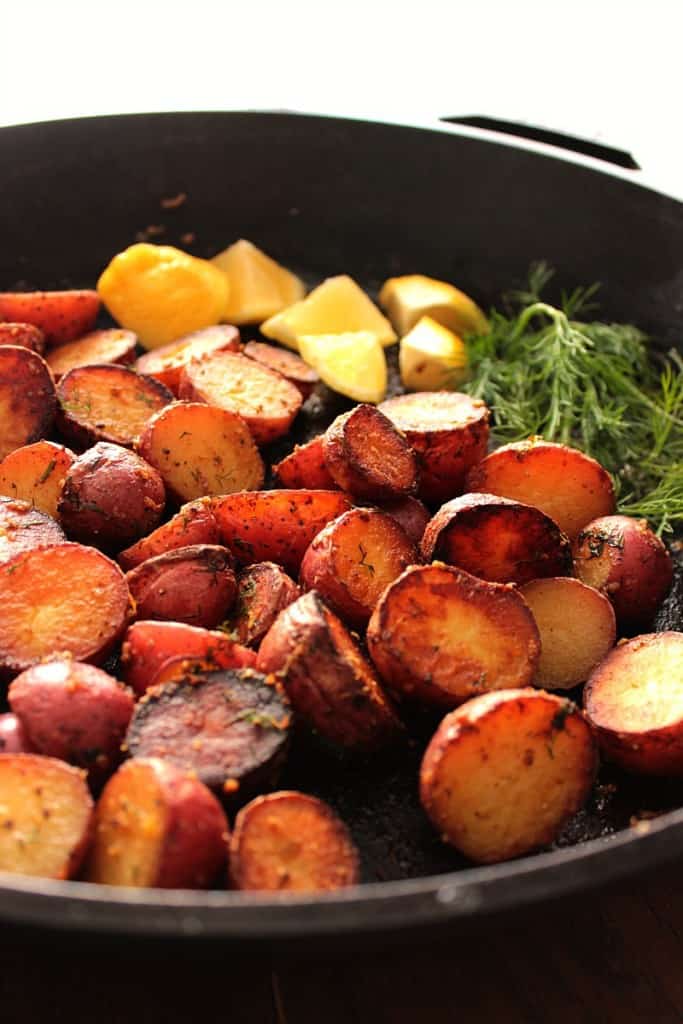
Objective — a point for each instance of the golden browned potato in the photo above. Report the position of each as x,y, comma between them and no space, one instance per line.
409,513
45,816
305,467
23,527
195,523
289,364
567,485
263,590
195,585
291,842
112,345
497,539
634,699
504,772
23,335
28,400
441,636
167,362
367,456
35,473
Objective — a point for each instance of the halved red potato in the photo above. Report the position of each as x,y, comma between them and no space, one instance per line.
276,526
409,513
23,528
230,728
497,539
167,362
66,598
202,450
13,738
367,456
634,699
625,560
441,636
577,628
60,315
157,826
332,687
265,399
263,590
504,773
36,473
291,842
45,816
305,467
195,523
110,497
107,403
449,432
289,364
24,335
567,485
195,585
75,712
353,559
112,345
150,645
28,401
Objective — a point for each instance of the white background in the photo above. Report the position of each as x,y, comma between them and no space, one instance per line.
606,70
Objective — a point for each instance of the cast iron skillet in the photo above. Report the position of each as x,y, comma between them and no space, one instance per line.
329,196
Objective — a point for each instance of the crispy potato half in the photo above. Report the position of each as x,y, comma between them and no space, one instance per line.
24,335
202,450
291,842
353,559
28,400
263,590
449,432
567,485
440,636
332,687
497,539
36,473
166,363
504,772
289,364
196,585
305,467
195,523
112,345
634,699
23,528
157,826
45,816
367,456
60,315
577,628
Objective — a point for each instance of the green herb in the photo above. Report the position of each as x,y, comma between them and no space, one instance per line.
363,556
46,472
259,718
590,384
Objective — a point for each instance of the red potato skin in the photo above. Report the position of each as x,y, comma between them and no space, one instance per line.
368,457
24,528
24,335
305,467
62,315
195,523
149,646
111,345
75,712
264,590
195,585
13,737
640,568
166,363
409,513
290,365
111,497
27,392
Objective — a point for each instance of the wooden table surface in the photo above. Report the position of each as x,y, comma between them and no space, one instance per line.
609,956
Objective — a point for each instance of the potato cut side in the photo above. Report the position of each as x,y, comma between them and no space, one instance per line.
431,357
259,286
287,363
305,467
353,364
108,346
27,398
167,362
23,528
107,403
368,457
66,598
36,473
24,335
202,450
266,400
263,590
577,628
337,306
409,298
45,816
289,842
506,771
441,636
634,698
564,483
195,523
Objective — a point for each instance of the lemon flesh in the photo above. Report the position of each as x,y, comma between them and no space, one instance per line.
259,286
352,364
407,299
432,358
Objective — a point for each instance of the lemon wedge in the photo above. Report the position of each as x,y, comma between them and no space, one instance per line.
259,286
432,358
162,293
337,306
353,364
407,299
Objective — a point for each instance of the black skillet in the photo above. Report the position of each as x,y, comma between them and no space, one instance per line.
327,196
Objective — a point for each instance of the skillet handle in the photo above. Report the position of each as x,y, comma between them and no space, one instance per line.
619,157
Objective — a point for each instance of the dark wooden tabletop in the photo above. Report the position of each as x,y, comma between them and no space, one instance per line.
609,956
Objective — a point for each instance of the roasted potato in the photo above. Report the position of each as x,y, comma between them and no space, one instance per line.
290,365
263,590
330,684
13,738
497,539
157,826
195,523
23,335
504,772
448,431
353,559
23,528
112,345
36,473
45,816
195,585
27,398
367,456
291,842
634,701
305,467
111,497
201,450
409,513
61,316
167,362
625,560
441,636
